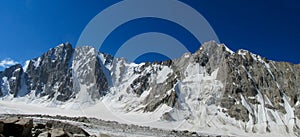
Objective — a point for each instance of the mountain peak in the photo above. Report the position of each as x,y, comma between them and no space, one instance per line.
212,46
64,45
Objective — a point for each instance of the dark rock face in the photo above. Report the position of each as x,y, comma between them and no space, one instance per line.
273,80
51,73
141,84
170,100
15,80
253,81
13,76
239,112
157,95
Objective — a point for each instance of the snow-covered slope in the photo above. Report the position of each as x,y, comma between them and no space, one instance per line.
236,93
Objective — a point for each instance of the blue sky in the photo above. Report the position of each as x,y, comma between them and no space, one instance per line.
270,28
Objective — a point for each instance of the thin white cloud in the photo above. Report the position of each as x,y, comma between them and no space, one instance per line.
7,62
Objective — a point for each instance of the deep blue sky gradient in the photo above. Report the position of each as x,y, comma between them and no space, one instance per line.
270,28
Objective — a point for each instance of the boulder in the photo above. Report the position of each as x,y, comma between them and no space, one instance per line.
58,132
16,126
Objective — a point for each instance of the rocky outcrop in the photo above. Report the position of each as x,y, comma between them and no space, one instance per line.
15,80
50,75
16,126
65,127
88,74
55,133
140,84
25,127
53,74
255,87
11,80
254,90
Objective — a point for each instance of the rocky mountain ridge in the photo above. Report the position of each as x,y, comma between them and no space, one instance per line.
262,95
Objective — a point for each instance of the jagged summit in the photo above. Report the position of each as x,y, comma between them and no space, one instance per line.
213,88
212,46
64,45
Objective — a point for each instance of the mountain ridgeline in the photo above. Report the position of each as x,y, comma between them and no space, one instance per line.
263,95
